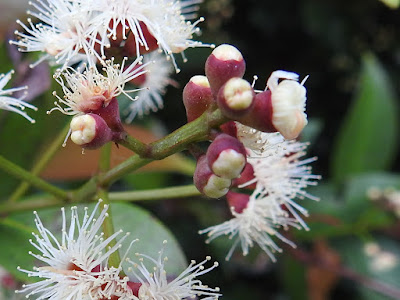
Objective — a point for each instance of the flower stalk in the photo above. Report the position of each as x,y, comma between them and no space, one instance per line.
42,162
107,226
22,174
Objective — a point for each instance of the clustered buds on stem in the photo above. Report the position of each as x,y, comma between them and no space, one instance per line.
279,108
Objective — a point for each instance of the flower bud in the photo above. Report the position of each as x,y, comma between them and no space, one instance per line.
224,63
237,201
260,115
226,156
235,98
90,131
197,97
281,108
229,128
207,182
246,178
110,114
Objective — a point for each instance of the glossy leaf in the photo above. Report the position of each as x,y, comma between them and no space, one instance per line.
377,259
367,140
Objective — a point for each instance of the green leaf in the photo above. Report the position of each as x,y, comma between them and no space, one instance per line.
367,140
381,264
14,251
347,211
293,278
151,234
128,217
355,192
393,4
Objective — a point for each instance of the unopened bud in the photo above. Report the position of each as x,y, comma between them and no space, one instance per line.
281,108
224,63
90,131
226,156
229,128
207,182
110,114
197,97
235,98
260,115
246,178
237,201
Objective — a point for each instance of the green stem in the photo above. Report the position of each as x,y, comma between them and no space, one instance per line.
105,158
102,193
156,194
41,163
195,131
134,144
42,201
22,174
30,204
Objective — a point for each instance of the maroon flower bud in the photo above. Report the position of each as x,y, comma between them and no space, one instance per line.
245,178
235,98
260,115
207,182
90,131
226,156
229,128
197,97
111,116
281,107
224,63
237,201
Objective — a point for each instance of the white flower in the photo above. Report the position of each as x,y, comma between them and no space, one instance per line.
281,177
278,168
156,286
165,21
10,103
284,178
288,99
256,224
91,89
157,78
62,35
75,266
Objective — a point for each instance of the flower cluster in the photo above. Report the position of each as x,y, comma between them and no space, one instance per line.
254,151
69,32
9,103
91,98
76,266
276,177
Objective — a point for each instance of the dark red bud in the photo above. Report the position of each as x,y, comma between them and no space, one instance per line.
226,156
111,115
246,175
238,201
224,63
260,115
235,98
197,97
